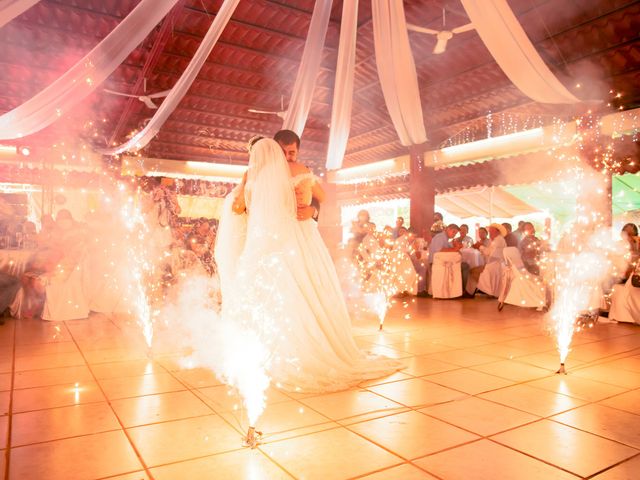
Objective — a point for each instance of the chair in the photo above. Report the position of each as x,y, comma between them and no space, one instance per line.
625,303
446,275
519,286
65,298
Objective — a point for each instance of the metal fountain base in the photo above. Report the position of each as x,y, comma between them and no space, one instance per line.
253,438
562,370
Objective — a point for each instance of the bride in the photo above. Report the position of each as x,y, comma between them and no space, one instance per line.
277,278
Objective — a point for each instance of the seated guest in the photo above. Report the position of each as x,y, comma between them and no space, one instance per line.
465,239
438,224
484,241
494,253
442,242
510,238
9,286
530,249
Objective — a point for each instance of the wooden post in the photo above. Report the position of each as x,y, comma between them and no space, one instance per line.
422,191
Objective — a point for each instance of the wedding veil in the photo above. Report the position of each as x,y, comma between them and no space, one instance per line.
271,207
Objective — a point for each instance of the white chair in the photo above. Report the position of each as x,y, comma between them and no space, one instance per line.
519,286
625,303
65,298
446,275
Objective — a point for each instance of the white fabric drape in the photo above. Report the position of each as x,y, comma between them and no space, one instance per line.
397,71
507,41
343,90
144,136
86,75
10,9
300,102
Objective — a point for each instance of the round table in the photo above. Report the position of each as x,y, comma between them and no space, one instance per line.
472,257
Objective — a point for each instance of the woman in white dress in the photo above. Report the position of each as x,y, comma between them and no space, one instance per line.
278,279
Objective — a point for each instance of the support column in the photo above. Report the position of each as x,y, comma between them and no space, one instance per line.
330,221
422,191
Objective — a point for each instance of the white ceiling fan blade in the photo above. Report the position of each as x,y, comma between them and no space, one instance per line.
161,94
267,112
113,92
147,101
464,28
416,28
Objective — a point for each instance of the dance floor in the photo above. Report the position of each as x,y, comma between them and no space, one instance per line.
478,399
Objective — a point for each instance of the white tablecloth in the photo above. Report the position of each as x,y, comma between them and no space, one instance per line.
472,257
14,262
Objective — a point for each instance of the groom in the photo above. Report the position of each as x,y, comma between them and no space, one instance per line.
290,143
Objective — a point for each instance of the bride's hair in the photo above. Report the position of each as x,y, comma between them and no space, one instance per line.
252,141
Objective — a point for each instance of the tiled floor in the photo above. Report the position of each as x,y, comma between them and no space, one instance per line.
478,399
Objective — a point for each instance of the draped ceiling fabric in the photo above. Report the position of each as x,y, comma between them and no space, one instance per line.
300,102
509,45
343,91
86,75
10,9
144,136
397,71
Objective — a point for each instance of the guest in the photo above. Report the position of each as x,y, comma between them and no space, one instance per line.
399,225
483,236
494,253
510,238
530,249
360,228
442,242
519,233
419,259
465,239
629,233
438,224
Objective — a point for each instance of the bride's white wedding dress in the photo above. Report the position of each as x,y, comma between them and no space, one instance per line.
278,279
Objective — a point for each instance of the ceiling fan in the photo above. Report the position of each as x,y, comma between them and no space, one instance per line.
280,113
146,99
443,36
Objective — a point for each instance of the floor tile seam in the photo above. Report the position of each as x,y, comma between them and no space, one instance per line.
266,439
113,399
162,422
619,442
385,469
67,437
611,467
9,433
122,428
480,434
609,359
529,384
546,462
239,428
23,412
